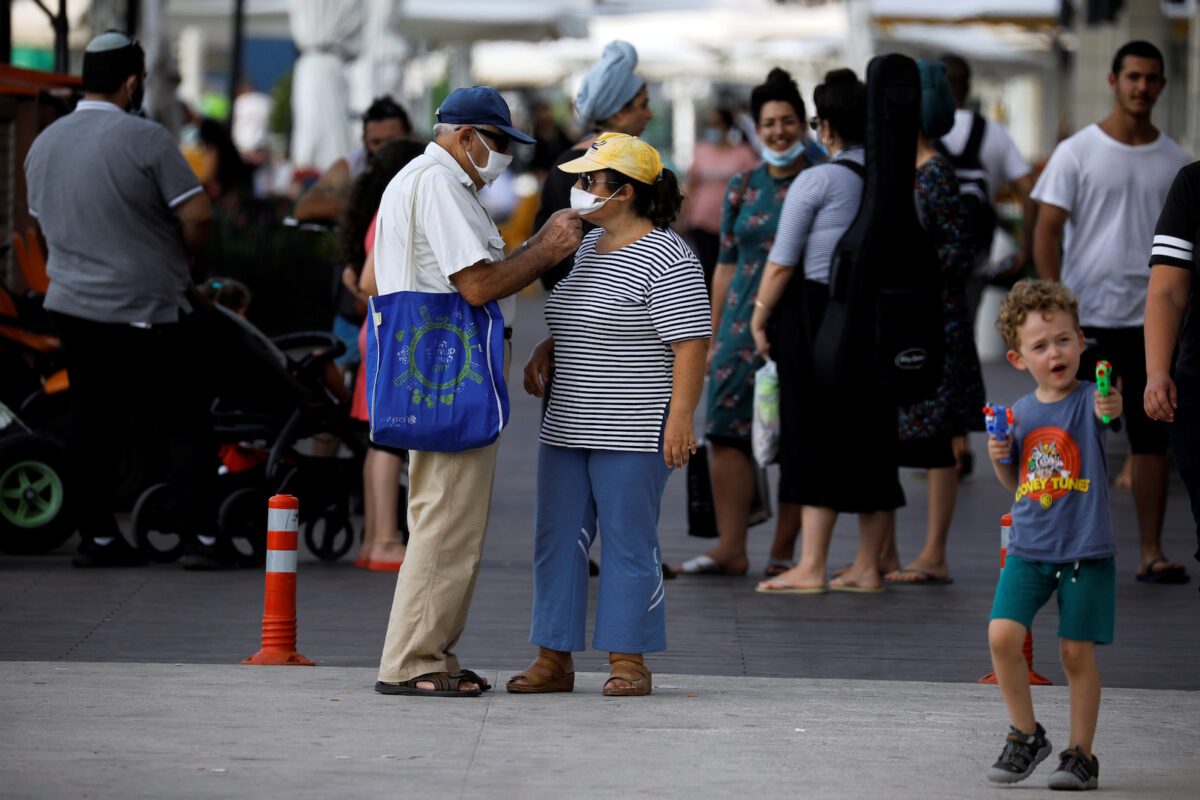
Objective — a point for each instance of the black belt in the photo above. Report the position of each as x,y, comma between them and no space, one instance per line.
508,333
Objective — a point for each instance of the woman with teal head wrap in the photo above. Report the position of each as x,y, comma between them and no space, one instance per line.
609,86
928,428
610,98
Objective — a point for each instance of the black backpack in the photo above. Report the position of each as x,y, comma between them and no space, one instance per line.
883,328
973,186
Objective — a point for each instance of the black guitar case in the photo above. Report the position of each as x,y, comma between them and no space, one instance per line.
883,328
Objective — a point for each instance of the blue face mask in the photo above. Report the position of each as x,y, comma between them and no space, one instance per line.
783,158
713,136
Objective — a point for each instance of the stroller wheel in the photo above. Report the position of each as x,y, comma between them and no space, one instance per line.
33,494
329,536
155,527
243,515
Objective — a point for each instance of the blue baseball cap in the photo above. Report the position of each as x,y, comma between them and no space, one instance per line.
480,105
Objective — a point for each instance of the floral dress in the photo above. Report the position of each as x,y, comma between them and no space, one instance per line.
753,200
956,407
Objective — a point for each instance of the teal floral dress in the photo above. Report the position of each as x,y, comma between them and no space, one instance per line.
956,408
750,218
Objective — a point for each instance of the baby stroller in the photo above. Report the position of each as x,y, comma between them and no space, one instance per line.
268,408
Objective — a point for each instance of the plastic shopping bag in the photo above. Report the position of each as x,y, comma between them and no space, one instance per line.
764,431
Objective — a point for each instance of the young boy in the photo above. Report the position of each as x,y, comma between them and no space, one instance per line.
1061,536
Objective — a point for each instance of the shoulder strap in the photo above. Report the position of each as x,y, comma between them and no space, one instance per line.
970,153
853,166
411,244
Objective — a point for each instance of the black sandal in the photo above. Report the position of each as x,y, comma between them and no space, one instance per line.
444,685
471,676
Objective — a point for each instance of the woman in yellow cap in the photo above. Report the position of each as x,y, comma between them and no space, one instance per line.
629,331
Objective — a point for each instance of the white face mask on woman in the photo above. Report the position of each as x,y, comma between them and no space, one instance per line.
583,202
496,163
782,158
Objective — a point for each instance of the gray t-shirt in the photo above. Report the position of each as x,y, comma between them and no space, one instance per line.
103,185
1060,513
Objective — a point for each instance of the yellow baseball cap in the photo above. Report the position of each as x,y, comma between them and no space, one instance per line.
621,153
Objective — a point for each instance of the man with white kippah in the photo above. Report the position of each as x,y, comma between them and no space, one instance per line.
123,214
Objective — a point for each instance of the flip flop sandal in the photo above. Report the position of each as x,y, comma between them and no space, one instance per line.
777,566
850,586
1171,575
444,685
776,586
541,676
922,578
703,565
631,671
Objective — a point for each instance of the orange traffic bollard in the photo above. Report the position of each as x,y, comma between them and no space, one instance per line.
1034,678
279,607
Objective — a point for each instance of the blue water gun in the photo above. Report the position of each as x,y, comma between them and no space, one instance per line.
998,420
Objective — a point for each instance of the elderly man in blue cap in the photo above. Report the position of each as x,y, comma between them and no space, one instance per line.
610,98
435,236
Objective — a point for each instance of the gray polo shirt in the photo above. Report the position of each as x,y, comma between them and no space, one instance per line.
103,185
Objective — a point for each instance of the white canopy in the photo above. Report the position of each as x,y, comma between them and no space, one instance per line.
327,33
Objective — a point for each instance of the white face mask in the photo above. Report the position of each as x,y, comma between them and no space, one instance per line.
496,163
777,158
585,202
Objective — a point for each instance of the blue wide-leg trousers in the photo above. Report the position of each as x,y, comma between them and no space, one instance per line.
622,491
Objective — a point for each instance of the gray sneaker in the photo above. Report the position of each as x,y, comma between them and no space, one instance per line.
1075,771
1022,752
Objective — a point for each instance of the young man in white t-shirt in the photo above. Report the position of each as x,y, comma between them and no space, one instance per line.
1100,197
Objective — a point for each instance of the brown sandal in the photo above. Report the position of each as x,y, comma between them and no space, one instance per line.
625,670
543,675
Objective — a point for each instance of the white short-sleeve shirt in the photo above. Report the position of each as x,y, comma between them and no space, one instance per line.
453,231
1113,193
998,154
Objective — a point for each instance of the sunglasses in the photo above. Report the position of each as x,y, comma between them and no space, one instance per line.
814,122
586,181
502,141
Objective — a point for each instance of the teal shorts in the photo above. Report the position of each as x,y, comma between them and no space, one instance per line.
1087,596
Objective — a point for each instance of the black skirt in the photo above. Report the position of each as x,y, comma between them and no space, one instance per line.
836,450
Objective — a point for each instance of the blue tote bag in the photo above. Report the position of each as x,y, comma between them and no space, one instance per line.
435,372
435,368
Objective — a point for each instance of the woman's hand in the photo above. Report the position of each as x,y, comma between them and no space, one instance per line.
758,328
679,440
539,366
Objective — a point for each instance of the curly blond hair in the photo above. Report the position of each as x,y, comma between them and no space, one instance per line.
1031,295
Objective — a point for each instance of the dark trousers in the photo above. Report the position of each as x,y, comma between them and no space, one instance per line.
127,382
1184,434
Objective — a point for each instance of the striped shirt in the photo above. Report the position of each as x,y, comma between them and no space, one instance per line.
613,319
821,203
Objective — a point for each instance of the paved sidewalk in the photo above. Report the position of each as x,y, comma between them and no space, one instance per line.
161,730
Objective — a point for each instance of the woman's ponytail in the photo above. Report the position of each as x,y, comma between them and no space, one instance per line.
660,201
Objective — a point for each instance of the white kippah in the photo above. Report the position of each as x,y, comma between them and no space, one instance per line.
111,40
